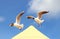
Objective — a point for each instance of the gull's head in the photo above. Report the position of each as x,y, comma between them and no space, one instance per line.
12,24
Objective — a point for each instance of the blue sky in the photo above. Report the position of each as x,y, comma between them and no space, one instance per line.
10,8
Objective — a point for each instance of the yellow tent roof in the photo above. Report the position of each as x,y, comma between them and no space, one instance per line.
30,33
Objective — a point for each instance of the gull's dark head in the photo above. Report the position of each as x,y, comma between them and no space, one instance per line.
12,24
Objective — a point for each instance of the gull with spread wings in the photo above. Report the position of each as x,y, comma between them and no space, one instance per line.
38,19
17,23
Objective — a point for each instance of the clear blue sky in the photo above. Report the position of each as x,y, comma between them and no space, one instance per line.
10,8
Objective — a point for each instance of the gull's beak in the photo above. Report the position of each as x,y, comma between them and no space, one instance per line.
9,24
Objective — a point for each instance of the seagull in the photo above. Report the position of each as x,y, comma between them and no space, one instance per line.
38,19
17,23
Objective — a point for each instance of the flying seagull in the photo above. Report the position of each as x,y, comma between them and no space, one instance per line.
17,23
38,19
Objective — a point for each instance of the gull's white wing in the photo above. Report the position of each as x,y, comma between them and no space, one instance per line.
39,15
19,16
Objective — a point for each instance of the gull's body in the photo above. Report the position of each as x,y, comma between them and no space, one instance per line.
17,23
19,26
38,19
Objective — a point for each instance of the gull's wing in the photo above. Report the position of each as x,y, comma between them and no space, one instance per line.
19,16
30,17
41,13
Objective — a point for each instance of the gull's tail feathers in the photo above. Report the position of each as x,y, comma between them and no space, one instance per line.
20,27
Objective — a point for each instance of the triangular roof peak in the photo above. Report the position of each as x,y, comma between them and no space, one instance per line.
30,33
